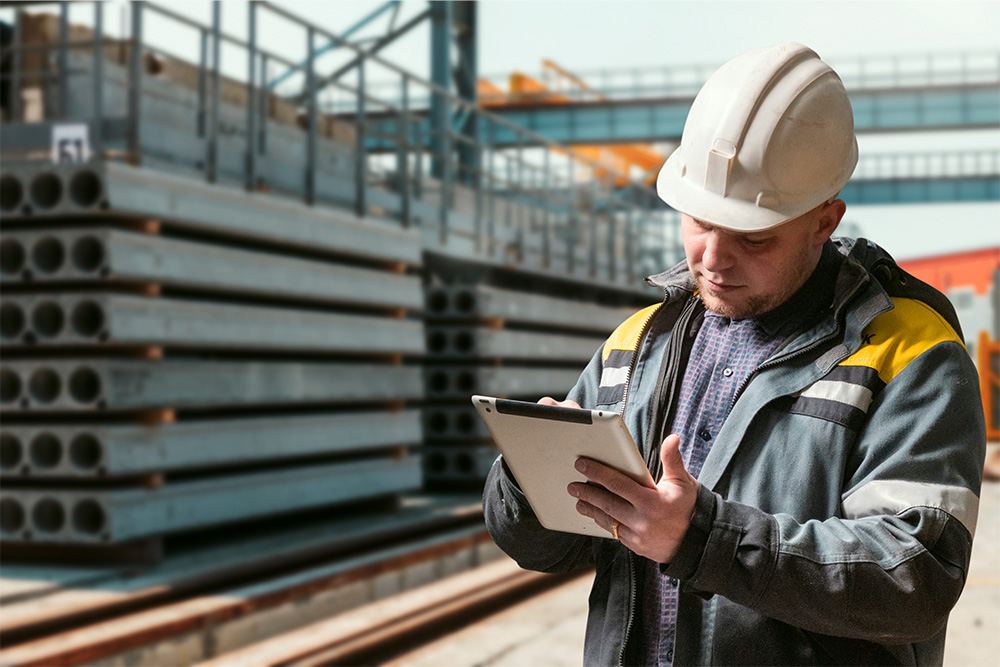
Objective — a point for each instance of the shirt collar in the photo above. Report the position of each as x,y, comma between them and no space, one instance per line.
816,294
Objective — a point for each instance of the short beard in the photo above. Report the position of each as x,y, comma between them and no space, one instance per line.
753,307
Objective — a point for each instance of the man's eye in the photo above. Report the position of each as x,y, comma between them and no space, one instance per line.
755,243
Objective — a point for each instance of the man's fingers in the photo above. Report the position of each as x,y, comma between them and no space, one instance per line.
614,481
599,498
600,517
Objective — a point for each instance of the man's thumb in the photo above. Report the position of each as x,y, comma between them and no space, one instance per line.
670,457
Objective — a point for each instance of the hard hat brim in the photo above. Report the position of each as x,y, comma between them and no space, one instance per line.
726,212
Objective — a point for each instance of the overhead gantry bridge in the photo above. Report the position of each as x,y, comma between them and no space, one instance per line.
891,94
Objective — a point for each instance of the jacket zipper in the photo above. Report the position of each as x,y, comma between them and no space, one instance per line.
631,607
631,556
628,379
635,356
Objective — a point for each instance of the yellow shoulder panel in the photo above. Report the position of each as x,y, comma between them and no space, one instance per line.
895,338
626,336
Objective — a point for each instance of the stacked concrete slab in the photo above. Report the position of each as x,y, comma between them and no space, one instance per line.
501,341
214,316
197,357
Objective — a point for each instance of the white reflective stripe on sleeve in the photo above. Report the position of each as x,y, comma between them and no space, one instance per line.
842,392
892,496
612,377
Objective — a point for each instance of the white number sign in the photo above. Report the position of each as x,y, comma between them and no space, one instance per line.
70,144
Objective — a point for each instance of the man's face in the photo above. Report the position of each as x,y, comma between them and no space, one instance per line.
741,275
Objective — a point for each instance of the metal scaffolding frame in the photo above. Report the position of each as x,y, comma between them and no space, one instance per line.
446,177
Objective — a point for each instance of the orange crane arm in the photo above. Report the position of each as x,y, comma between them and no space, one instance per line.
617,158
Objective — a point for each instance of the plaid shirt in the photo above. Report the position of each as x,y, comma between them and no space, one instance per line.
724,354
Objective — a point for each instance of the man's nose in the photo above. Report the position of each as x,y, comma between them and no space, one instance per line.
718,253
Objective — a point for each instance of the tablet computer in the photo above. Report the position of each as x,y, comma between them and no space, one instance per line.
541,444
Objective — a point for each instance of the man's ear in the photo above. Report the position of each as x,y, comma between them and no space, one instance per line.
830,215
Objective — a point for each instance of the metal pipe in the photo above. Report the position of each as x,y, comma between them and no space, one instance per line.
211,171
508,200
491,167
479,195
62,60
97,140
520,197
310,174
360,151
250,178
332,45
446,175
612,228
631,261
375,48
262,91
135,87
418,190
203,84
402,159
16,112
592,210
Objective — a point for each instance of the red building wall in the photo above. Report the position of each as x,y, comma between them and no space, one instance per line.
962,269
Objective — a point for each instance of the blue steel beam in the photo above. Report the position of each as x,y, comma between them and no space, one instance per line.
663,120
331,45
888,190
921,190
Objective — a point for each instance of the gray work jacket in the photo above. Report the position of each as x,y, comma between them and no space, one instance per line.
837,506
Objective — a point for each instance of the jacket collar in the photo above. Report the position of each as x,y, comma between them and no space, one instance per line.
676,281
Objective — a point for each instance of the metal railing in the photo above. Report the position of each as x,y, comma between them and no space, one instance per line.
454,181
864,73
861,73
942,164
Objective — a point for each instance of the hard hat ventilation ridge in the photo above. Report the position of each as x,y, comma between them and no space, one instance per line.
743,107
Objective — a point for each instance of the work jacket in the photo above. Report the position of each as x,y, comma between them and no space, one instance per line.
836,508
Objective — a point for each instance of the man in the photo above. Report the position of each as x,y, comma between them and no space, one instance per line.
808,409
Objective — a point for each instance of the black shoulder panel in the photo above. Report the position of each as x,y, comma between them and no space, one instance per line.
899,283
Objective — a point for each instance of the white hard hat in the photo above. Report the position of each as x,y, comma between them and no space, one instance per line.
769,137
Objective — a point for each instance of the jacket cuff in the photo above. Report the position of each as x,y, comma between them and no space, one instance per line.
685,562
513,497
